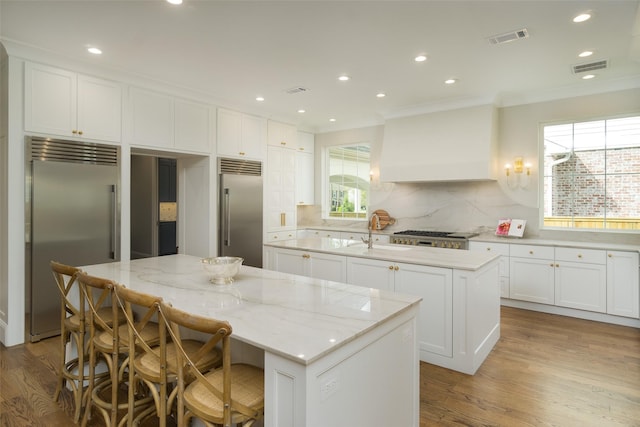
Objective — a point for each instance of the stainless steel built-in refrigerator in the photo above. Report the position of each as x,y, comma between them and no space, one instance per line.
72,216
240,218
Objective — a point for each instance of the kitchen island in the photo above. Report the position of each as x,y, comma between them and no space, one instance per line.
334,354
459,321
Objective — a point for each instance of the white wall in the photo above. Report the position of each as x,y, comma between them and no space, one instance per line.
477,206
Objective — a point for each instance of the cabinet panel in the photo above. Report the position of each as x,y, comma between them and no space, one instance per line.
152,118
305,178
192,126
592,256
239,135
501,249
532,251
327,267
99,109
50,100
435,286
623,284
281,135
370,273
532,279
581,285
280,190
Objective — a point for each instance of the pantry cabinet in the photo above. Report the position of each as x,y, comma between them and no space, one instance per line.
434,285
60,102
623,285
532,274
282,135
305,169
240,135
280,190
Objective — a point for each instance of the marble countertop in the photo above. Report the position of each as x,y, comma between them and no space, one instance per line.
435,257
492,238
299,318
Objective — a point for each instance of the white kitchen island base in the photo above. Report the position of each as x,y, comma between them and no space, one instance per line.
372,381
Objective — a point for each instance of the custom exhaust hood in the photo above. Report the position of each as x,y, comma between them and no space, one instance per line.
454,145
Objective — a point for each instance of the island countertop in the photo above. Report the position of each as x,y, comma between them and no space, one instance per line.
435,257
299,318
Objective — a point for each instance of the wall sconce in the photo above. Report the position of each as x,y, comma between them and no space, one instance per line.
521,173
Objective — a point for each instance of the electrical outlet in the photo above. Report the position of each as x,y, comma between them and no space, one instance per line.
328,388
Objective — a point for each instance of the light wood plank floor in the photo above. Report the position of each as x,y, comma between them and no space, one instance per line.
546,370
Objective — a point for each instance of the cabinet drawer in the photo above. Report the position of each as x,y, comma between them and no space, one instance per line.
591,256
531,251
494,248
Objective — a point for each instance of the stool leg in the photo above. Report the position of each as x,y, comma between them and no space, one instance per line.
64,338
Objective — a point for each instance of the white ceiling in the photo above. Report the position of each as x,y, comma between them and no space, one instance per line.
232,51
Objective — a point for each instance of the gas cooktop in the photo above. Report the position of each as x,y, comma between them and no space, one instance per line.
426,233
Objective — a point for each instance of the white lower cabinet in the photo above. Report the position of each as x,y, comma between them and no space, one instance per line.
623,286
501,249
531,273
306,263
280,236
581,279
433,284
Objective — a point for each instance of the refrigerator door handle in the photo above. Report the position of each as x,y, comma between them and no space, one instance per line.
227,218
114,219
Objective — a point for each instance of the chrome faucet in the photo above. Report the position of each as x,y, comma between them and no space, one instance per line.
369,242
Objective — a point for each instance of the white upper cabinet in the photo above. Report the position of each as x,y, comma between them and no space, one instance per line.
64,103
305,169
282,135
163,121
280,189
240,135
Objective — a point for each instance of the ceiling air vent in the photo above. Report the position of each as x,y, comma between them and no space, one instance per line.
509,37
296,89
591,66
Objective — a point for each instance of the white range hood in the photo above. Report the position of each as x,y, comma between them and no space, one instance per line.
454,145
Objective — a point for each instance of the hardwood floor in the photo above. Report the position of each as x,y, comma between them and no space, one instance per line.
545,370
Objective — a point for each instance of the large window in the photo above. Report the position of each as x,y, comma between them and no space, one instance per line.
592,174
348,169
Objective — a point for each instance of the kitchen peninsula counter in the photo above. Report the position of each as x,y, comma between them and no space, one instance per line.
460,290
435,257
325,346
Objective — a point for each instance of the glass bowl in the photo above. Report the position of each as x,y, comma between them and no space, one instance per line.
222,269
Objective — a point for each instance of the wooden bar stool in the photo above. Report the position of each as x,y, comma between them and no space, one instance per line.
155,365
109,341
233,394
72,330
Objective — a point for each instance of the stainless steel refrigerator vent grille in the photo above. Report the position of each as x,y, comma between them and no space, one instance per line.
74,152
239,167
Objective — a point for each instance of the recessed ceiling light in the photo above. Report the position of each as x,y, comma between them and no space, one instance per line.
381,95
585,54
259,98
174,1
588,76
343,78
582,17
332,120
302,110
420,58
450,81
94,50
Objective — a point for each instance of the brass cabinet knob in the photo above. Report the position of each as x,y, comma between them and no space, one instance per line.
242,153
283,143
610,255
79,132
579,255
306,256
396,268
530,252
74,131
557,265
391,267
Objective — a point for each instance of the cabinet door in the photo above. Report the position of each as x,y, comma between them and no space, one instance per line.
192,126
623,284
581,285
370,273
252,136
99,109
288,261
328,267
304,178
281,135
532,280
229,133
152,119
50,100
435,286
280,190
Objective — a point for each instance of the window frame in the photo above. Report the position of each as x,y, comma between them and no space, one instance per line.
326,184
542,177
